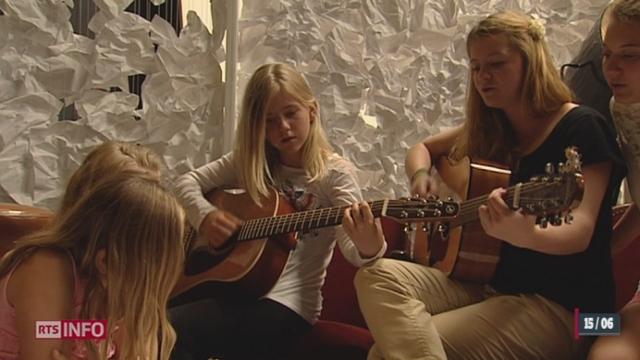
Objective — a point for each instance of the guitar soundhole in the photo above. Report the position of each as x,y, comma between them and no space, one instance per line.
202,259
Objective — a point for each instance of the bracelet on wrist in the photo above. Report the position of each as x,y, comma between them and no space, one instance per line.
421,171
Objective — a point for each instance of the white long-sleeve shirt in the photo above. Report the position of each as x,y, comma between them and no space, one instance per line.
303,276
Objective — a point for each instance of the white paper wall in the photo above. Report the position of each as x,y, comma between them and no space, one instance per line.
401,61
44,66
386,73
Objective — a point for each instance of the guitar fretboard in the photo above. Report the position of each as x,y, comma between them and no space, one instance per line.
469,209
301,221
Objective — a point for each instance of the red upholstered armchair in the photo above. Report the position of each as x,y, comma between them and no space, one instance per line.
19,220
341,333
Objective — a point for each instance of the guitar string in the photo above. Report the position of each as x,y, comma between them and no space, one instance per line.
258,227
468,210
283,222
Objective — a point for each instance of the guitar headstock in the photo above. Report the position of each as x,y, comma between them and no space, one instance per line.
551,196
418,209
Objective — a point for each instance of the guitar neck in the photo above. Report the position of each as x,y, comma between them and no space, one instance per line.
301,221
469,209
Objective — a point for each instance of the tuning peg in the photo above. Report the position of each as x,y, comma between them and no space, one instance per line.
549,169
450,209
556,220
426,227
443,229
568,219
420,213
407,228
543,222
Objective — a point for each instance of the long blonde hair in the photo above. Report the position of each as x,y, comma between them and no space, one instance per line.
139,225
257,161
486,132
108,158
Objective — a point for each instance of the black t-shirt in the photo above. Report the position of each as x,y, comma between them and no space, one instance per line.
583,280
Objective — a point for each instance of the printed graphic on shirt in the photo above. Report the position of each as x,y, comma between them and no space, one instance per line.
300,199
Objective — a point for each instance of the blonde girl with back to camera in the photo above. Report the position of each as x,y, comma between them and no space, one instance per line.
112,253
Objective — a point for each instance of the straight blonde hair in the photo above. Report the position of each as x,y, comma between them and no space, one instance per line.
486,132
625,11
139,225
105,159
257,161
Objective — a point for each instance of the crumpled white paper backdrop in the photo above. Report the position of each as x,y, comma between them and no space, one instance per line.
387,73
44,66
402,62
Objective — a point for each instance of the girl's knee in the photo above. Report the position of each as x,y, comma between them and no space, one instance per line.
381,269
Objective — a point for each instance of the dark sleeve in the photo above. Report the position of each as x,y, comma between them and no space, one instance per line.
595,138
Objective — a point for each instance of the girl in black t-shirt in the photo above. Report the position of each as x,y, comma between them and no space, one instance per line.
519,113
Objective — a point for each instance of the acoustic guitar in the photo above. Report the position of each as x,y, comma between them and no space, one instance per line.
459,246
253,259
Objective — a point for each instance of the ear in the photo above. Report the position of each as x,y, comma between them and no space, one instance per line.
313,111
101,261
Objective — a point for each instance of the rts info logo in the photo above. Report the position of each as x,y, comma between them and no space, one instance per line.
72,329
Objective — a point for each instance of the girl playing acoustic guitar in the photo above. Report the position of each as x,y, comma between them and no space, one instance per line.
621,67
279,144
519,112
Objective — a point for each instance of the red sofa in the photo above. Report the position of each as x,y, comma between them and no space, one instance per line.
341,333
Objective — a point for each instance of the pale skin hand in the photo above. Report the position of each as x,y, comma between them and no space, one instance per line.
218,226
363,229
501,222
424,185
519,230
422,155
57,355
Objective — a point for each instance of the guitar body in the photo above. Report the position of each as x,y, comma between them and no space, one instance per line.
464,252
247,269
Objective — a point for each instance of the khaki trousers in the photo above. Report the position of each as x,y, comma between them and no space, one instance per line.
415,312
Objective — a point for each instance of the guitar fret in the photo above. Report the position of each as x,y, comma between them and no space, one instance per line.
254,229
260,233
271,226
281,224
296,225
320,217
290,227
243,231
249,226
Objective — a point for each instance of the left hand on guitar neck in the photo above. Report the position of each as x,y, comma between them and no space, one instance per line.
501,222
363,229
